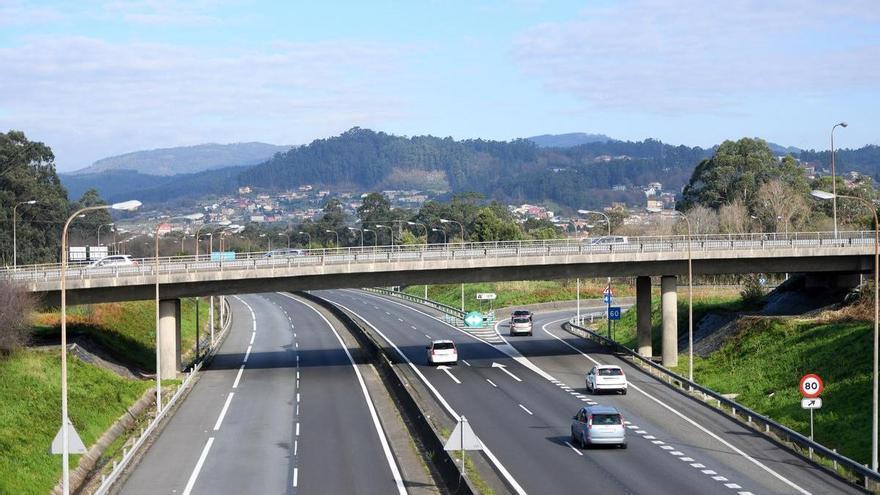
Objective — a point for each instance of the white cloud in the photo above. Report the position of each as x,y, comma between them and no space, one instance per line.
88,98
17,13
692,55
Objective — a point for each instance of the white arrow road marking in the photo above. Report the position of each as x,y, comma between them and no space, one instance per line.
504,369
446,369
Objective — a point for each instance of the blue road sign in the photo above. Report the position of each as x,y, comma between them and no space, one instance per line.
614,313
608,299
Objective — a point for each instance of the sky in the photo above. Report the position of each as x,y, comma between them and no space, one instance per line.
99,78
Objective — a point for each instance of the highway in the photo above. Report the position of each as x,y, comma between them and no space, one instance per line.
281,409
523,414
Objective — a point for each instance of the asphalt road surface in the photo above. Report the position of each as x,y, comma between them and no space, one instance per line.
522,412
281,410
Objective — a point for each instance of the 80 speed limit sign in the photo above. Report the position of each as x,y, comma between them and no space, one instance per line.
811,386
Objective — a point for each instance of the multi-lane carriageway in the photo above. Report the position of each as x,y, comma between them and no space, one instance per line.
278,427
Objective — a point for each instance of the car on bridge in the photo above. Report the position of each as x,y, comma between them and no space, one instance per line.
598,425
113,260
442,352
521,325
284,253
606,377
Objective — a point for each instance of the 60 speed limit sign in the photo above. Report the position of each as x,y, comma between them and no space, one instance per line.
811,386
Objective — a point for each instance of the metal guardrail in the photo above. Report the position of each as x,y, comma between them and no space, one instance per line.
447,252
109,479
447,310
841,465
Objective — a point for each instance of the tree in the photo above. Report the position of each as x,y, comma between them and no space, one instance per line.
84,231
27,172
733,218
703,220
781,208
16,306
488,227
737,170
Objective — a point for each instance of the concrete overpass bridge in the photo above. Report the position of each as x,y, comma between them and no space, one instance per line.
850,253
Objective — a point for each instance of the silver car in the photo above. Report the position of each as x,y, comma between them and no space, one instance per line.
521,326
598,425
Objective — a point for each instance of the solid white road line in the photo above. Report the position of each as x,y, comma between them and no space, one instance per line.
576,451
253,315
238,377
198,468
247,354
526,410
386,448
491,383
686,418
223,411
494,460
253,334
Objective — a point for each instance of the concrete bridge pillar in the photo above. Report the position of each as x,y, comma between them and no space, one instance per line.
169,337
669,304
643,316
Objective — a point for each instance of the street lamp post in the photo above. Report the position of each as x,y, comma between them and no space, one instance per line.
282,234
690,298
826,195
834,179
442,232
355,229
443,220
65,441
14,235
309,237
608,223
99,231
390,232
375,237
336,234
422,226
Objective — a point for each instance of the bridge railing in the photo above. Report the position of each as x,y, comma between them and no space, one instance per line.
826,457
213,262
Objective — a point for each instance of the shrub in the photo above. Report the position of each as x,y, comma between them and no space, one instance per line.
752,291
16,307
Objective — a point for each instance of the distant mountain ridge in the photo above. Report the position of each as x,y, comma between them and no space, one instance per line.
568,140
186,159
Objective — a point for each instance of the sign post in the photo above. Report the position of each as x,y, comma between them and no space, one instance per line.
811,388
463,438
608,294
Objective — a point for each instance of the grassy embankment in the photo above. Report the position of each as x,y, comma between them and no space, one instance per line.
30,405
30,390
128,330
765,359
517,293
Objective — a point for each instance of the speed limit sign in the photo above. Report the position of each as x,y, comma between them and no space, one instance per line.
811,386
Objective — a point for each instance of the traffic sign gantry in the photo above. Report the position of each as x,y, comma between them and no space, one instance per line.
811,386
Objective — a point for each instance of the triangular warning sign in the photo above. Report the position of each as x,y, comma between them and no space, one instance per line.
463,438
74,443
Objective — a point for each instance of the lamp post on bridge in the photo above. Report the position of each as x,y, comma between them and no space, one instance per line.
608,223
309,237
336,234
834,181
442,232
826,196
284,234
390,232
375,237
361,232
65,440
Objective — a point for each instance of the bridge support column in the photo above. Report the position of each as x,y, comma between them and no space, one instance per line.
169,337
669,304
643,316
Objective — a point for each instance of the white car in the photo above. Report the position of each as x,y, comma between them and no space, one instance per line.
606,377
442,352
114,260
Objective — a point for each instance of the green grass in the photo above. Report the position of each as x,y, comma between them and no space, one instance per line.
766,359
128,330
516,293
705,301
30,414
